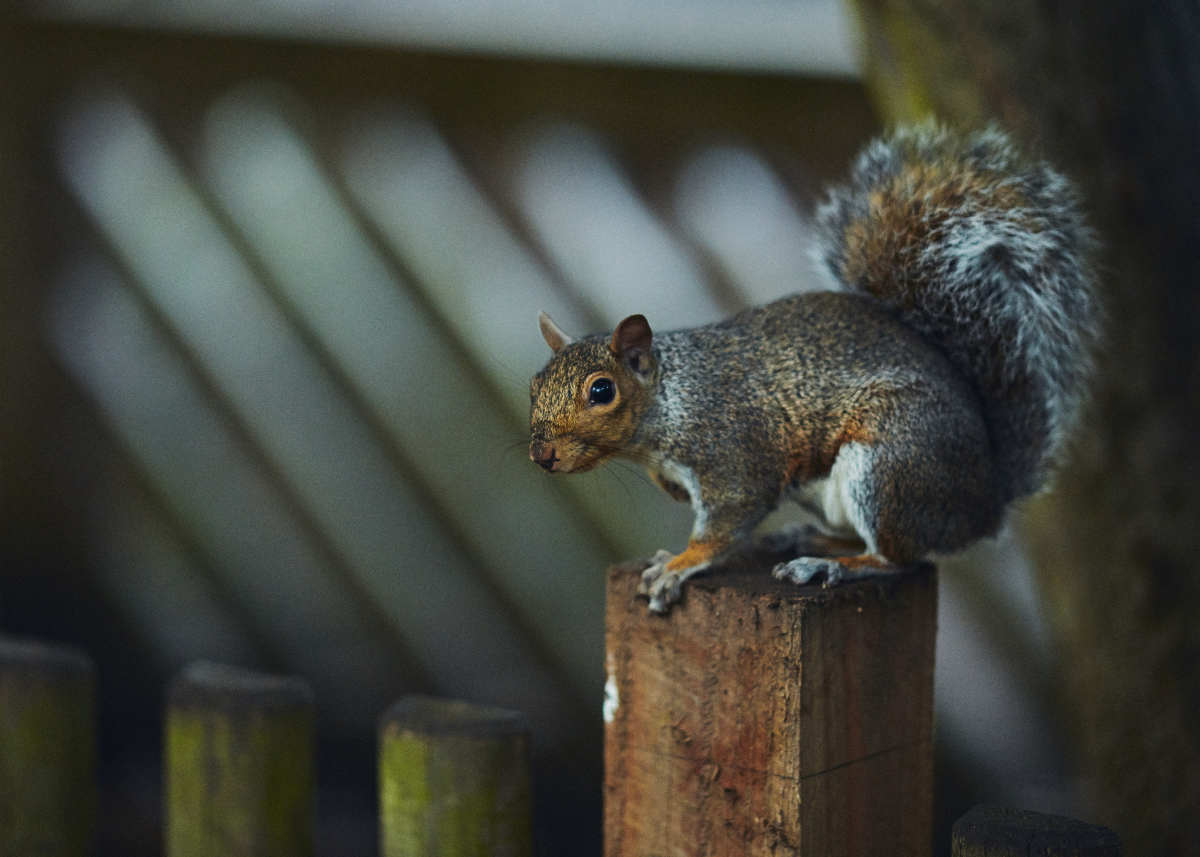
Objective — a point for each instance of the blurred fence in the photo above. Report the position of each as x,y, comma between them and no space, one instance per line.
269,341
293,290
239,776
267,328
454,779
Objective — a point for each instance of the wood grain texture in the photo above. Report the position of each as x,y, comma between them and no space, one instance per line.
758,717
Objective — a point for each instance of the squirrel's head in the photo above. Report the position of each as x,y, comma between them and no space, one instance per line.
586,404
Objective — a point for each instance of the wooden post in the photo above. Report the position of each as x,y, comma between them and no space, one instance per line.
996,831
47,750
239,764
453,781
759,717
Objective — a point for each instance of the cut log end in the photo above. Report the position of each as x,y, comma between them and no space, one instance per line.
430,715
209,685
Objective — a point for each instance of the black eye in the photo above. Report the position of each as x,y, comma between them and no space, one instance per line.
602,391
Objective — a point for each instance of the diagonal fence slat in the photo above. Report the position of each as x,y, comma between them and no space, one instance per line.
728,200
156,572
427,398
142,202
142,388
487,288
592,223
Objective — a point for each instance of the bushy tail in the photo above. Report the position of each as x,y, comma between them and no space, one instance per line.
986,255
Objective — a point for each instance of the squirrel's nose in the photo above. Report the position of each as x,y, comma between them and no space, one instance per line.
542,454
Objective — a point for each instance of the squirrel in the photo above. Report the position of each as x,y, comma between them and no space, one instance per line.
908,407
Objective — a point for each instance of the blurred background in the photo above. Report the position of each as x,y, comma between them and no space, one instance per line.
269,275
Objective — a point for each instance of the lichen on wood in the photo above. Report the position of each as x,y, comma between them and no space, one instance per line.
239,764
453,780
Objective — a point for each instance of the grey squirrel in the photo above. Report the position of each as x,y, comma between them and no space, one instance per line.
908,409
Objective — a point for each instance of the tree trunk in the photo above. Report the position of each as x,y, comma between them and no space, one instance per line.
1110,91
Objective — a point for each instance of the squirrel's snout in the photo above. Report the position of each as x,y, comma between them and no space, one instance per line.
542,454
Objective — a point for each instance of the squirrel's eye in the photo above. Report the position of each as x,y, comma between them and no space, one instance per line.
602,391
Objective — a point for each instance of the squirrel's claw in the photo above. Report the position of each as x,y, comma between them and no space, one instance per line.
657,565
665,591
803,569
662,587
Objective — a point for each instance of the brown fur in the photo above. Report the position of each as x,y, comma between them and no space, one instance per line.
912,392
697,553
882,250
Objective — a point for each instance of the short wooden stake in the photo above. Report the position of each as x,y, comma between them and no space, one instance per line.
47,750
762,718
996,831
453,781
239,764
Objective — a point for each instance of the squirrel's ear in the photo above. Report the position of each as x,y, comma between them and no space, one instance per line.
552,333
631,341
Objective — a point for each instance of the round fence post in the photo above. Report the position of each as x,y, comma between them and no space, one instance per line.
239,764
454,781
47,750
997,831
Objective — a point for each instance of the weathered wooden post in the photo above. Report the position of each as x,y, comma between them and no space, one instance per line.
239,764
454,781
759,717
47,750
996,831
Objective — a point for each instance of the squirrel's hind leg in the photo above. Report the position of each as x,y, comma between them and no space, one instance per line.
835,569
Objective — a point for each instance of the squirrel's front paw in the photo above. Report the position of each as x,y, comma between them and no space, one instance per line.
803,569
652,572
661,586
665,591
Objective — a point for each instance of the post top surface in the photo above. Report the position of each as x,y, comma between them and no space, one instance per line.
222,685
48,657
433,715
1004,830
750,575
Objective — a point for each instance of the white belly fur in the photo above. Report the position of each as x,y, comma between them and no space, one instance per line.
683,476
835,498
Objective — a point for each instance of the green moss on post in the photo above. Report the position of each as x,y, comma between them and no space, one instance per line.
239,764
47,750
453,781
